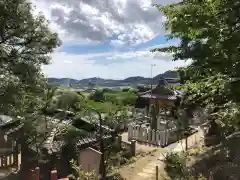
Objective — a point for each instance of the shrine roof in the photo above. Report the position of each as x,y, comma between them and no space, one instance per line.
162,91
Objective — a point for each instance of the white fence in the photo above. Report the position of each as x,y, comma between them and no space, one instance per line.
151,136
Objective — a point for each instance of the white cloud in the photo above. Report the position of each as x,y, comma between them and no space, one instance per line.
122,65
117,22
122,22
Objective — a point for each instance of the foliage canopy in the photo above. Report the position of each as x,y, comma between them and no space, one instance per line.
209,36
25,46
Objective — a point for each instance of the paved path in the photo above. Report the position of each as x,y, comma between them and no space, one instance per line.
147,170
150,169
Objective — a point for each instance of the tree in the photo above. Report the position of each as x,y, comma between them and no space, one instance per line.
125,89
69,101
209,36
49,94
97,96
25,45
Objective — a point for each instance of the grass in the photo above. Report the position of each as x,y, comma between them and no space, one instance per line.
103,107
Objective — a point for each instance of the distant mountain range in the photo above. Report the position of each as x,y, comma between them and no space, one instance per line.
110,82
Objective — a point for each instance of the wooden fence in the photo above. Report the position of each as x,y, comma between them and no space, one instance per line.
151,136
8,160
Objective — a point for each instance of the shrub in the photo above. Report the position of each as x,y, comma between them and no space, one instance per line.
132,159
79,174
97,96
125,89
176,167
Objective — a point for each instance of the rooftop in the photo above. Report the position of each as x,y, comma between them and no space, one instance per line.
5,120
162,91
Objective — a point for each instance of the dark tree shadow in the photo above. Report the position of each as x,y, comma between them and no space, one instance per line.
221,162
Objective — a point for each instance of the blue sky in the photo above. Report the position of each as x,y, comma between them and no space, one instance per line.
107,39
106,47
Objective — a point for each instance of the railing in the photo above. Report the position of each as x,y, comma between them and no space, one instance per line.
8,160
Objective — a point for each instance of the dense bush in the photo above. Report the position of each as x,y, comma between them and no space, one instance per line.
143,88
97,96
68,101
176,167
121,98
125,89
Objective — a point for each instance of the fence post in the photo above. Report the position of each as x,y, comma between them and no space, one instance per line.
149,136
167,134
158,141
113,134
130,132
156,172
119,141
153,140
37,173
133,148
137,132
140,137
54,175
162,138
158,124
